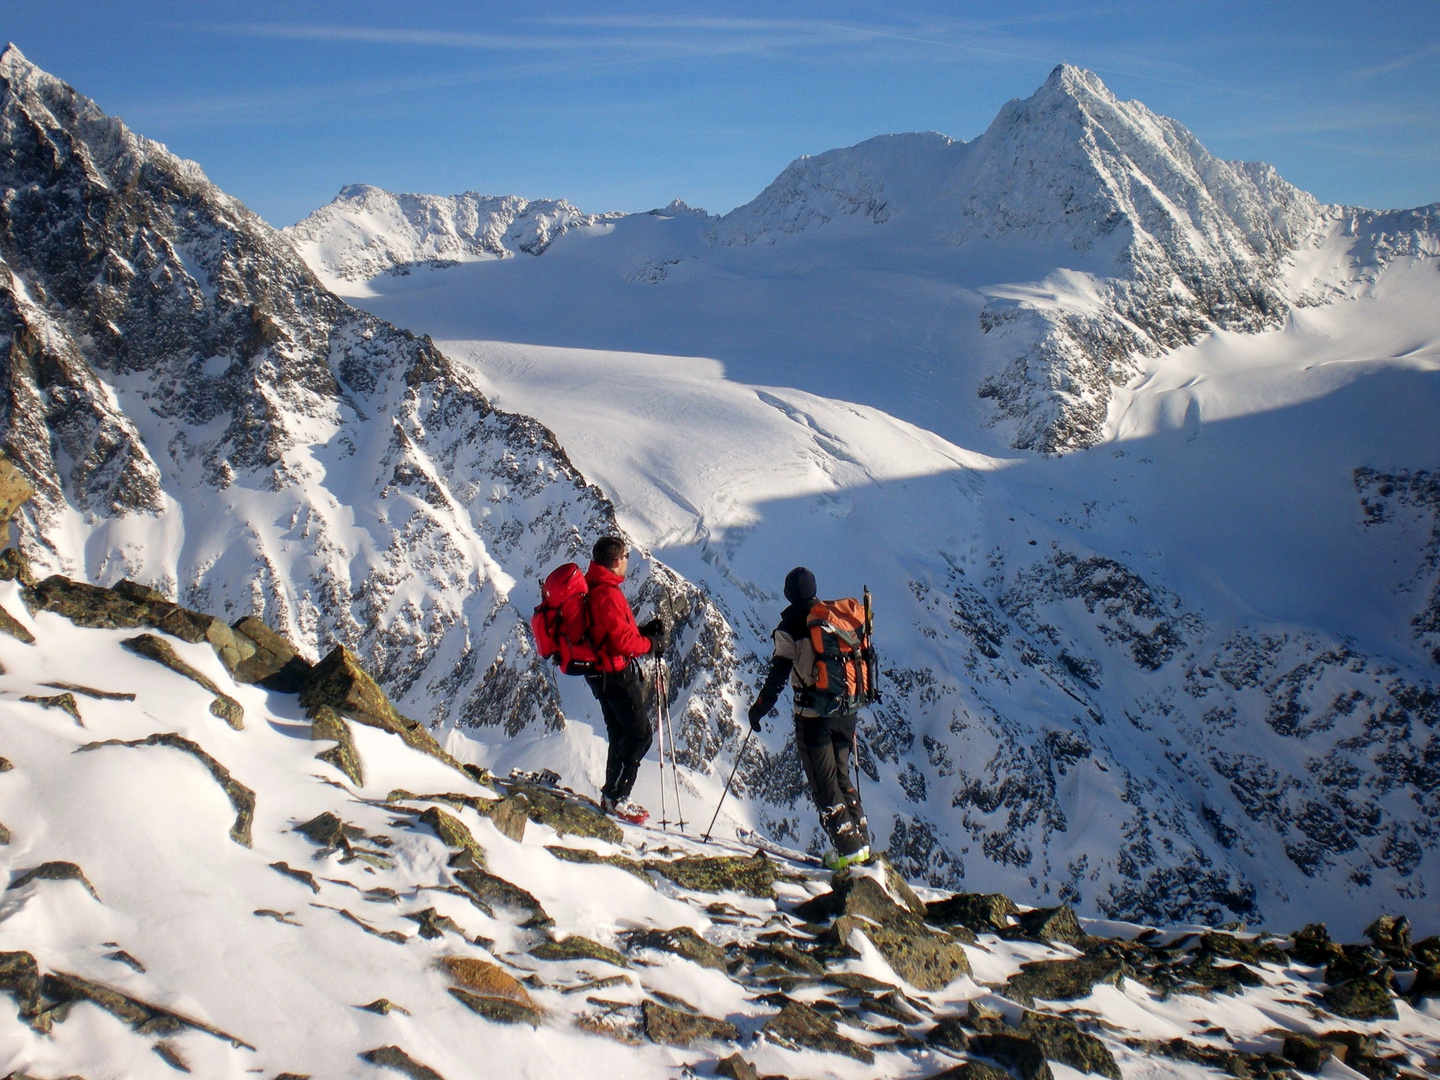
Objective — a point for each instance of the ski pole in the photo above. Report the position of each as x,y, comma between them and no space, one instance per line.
660,736
741,754
674,767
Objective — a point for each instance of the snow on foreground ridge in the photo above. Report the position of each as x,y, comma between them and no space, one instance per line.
409,929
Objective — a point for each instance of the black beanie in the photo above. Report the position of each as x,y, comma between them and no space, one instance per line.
799,585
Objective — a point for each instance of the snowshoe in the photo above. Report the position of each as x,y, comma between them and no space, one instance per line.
625,810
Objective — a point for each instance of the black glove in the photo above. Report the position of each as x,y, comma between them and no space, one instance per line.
659,635
756,712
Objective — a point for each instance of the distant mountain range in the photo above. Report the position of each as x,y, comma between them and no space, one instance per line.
1137,448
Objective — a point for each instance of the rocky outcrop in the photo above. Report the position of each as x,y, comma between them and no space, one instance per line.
339,682
53,871
328,725
683,1027
240,796
162,652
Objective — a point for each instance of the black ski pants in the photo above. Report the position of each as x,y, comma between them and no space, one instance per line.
621,695
826,744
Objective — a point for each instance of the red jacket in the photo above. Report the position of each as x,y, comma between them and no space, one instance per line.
612,624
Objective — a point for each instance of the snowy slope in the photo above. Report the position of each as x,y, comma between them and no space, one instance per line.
167,944
1187,673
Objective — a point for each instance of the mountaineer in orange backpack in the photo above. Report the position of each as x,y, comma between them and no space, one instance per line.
823,647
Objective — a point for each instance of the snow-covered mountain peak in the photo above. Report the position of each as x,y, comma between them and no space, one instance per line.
367,230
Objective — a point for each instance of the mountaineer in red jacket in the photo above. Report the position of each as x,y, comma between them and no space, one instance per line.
619,685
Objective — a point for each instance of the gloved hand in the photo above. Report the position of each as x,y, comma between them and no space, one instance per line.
755,713
659,635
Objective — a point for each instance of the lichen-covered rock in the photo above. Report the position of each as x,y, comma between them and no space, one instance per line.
1063,980
1060,1039
485,978
392,1057
15,490
798,1026
341,683
327,725
1234,948
15,628
500,1010
736,1067
432,924
858,895
1426,984
508,814
754,876
1391,936
981,912
495,892
926,958
682,941
1312,945
576,947
15,567
54,871
240,796
1309,1055
1015,1051
676,1027
454,834
971,1070
949,1034
66,703
567,816
275,664
20,978
1364,998
161,651
1051,925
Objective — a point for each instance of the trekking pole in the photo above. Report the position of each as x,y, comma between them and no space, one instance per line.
660,735
741,754
670,727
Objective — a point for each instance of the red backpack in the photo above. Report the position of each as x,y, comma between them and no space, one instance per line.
561,623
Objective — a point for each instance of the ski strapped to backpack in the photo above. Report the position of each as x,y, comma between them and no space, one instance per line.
845,664
561,623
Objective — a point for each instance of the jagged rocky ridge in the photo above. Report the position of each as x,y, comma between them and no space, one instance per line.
400,926
197,412
368,231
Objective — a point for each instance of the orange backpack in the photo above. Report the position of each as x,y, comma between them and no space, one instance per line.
845,664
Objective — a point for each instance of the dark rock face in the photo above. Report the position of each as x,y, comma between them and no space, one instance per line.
981,912
54,871
326,724
122,267
392,1057
1063,980
340,683
676,1027
1363,998
275,664
576,947
682,941
798,1025
754,876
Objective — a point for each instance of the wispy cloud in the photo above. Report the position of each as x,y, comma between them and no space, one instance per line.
1400,63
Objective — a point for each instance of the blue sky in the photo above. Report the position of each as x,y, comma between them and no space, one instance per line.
626,106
